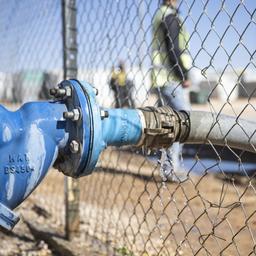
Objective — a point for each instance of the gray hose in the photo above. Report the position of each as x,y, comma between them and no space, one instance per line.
221,130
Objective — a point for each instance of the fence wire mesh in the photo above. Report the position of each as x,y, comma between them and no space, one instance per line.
126,206
126,202
31,49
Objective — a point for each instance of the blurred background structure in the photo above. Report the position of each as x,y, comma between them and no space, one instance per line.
125,207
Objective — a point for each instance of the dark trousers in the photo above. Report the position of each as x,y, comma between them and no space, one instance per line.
123,95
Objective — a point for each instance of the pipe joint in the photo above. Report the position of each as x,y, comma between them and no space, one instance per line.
164,126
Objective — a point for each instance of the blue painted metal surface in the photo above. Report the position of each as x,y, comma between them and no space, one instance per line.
29,141
74,165
37,136
121,127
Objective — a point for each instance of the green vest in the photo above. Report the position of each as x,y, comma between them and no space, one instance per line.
161,73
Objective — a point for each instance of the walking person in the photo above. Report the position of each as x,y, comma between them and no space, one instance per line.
170,74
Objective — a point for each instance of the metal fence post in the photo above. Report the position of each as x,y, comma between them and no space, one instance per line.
69,31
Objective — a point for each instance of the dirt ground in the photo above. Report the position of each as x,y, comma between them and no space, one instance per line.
201,216
20,241
138,214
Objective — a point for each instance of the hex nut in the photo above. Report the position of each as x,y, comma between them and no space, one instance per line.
68,90
103,114
74,146
61,92
74,115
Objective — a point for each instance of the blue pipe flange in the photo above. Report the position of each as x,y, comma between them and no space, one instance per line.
91,129
82,122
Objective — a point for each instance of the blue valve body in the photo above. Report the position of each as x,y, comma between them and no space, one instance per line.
29,142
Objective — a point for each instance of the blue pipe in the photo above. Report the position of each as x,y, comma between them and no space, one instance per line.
122,127
30,139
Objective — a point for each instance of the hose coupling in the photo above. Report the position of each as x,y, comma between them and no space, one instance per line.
164,126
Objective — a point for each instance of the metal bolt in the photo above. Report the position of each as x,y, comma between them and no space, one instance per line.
68,115
61,92
74,146
53,91
104,114
74,115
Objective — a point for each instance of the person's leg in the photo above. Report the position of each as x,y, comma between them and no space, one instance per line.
129,92
175,97
123,97
118,97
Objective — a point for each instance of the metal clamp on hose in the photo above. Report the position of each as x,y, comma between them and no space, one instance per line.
164,126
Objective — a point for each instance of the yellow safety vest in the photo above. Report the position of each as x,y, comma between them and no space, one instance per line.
161,71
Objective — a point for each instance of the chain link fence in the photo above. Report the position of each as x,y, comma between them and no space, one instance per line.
126,206
126,202
31,49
